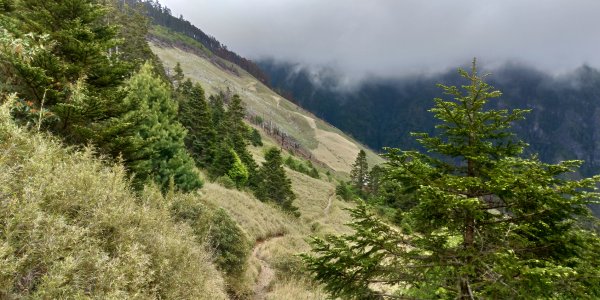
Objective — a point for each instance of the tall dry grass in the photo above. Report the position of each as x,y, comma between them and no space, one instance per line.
70,227
280,237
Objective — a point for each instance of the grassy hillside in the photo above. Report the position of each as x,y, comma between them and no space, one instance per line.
81,227
326,143
275,272
72,229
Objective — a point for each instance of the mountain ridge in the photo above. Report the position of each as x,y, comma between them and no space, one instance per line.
276,116
379,100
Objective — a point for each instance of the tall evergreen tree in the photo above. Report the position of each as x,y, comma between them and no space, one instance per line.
236,132
133,26
238,171
195,116
178,74
163,155
223,161
217,109
360,171
487,223
375,179
74,76
82,39
273,184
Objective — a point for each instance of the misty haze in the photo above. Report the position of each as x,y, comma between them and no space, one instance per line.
389,38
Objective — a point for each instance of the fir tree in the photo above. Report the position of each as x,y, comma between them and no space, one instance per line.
273,184
487,222
162,155
255,138
375,180
223,161
217,110
232,133
75,77
238,171
236,133
178,74
132,31
81,41
195,116
360,171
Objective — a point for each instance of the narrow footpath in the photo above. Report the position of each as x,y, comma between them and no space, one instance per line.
267,274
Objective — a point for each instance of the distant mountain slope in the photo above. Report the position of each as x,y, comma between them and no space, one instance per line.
161,15
325,143
564,122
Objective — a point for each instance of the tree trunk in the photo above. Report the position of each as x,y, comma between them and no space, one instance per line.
468,236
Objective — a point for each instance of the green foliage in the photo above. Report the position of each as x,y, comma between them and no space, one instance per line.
360,171
236,132
346,191
71,229
218,231
231,245
238,171
486,222
233,134
178,74
375,180
223,162
346,265
163,154
69,77
254,137
299,166
217,110
79,41
258,120
274,185
226,182
195,116
6,5
133,30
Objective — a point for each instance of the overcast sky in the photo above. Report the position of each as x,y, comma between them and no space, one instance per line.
399,37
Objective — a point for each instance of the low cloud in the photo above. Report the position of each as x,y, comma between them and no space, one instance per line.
390,38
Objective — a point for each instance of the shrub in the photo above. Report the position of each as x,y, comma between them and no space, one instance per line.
226,182
305,168
345,191
216,230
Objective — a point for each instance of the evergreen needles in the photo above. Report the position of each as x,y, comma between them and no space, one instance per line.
487,222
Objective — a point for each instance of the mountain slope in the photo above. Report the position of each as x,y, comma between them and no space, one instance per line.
323,142
71,227
562,124
274,271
